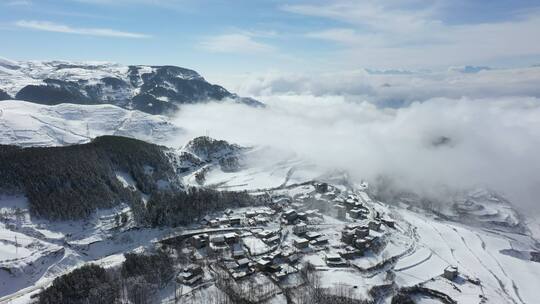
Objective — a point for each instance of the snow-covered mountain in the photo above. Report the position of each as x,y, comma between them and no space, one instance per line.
30,124
291,231
151,89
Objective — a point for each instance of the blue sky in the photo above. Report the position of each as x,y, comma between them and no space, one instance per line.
244,36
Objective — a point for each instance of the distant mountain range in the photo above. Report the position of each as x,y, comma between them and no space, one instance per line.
151,89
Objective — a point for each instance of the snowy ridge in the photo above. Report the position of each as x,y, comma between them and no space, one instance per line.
34,72
151,89
29,124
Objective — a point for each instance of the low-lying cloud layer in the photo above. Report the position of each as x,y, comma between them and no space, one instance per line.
456,142
398,88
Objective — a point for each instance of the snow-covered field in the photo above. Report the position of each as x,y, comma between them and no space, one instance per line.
30,124
476,252
34,252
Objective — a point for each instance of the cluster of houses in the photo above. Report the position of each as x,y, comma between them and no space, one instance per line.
357,237
360,237
269,236
278,264
219,243
225,220
240,268
353,205
292,216
307,238
257,217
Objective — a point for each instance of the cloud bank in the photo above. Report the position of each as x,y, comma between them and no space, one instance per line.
397,88
460,143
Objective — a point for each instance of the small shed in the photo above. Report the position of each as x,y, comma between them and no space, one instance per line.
271,240
301,243
311,235
347,236
356,213
235,221
243,262
290,215
375,225
335,260
341,211
300,229
230,237
450,272
218,240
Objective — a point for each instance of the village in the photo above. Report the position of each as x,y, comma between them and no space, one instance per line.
327,227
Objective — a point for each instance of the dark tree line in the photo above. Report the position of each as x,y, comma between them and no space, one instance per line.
180,208
88,284
154,269
136,281
73,181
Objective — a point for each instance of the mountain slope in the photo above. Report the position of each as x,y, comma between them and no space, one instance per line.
407,251
29,124
151,89
71,182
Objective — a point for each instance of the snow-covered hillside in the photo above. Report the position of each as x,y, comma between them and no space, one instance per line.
393,248
151,89
30,124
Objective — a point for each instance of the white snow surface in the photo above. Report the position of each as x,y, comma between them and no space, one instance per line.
16,75
29,124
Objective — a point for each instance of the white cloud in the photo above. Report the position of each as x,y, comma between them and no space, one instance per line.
383,34
235,43
494,143
61,28
123,2
18,3
397,88
377,15
342,35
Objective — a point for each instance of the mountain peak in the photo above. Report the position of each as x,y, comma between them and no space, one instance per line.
151,89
